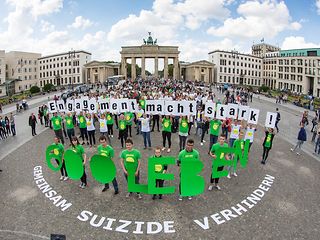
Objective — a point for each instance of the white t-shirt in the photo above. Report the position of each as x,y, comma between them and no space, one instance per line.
90,125
145,126
103,125
235,129
250,134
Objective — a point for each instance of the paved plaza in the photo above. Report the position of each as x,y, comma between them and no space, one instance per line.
287,209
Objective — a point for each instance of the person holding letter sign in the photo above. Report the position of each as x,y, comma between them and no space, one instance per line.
123,133
77,148
215,125
69,124
267,144
83,127
166,132
58,151
221,144
57,126
91,129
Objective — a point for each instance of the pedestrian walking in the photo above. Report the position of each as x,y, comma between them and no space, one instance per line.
32,123
302,137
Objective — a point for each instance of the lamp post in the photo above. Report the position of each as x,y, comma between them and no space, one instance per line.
234,54
72,55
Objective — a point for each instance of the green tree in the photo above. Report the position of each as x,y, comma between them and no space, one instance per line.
264,88
34,89
48,87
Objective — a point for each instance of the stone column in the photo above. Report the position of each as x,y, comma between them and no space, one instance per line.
143,68
175,68
156,70
133,68
165,71
124,67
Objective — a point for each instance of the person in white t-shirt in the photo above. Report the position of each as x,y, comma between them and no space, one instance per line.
145,130
235,130
250,134
103,125
91,129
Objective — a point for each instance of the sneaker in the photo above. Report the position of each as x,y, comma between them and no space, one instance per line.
229,176
291,149
190,198
112,136
163,149
80,185
298,153
235,175
82,143
204,141
116,192
153,197
218,187
201,143
128,194
160,197
65,178
83,186
169,150
105,189
88,143
210,188
139,196
180,198
61,178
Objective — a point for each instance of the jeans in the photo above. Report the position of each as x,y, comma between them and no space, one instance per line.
70,133
299,145
182,142
265,154
84,134
114,183
13,129
59,135
317,146
92,137
166,135
213,140
146,139
63,169
231,141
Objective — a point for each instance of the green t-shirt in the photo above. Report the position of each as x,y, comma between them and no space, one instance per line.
56,122
109,119
215,127
238,142
166,125
130,157
106,151
78,150
142,103
268,140
217,146
159,168
122,124
184,127
185,156
59,149
82,122
128,117
69,122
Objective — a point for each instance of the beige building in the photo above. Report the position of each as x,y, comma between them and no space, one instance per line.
22,66
261,49
199,71
150,49
297,70
98,72
63,68
2,73
236,68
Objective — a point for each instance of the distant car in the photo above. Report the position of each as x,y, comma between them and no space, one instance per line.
67,94
82,89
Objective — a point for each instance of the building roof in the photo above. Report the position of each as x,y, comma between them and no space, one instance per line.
300,52
101,64
230,52
65,53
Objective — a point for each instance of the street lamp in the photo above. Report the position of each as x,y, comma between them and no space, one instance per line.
72,55
234,54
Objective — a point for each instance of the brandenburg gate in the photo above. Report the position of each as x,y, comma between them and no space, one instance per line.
150,49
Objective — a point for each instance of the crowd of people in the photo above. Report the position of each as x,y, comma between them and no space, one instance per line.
81,129
7,126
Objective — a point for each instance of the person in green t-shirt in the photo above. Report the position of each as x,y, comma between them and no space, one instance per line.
186,155
123,133
237,143
166,132
221,144
59,152
215,125
183,132
83,127
79,150
128,116
106,150
57,126
110,123
159,168
69,125
142,103
130,156
267,144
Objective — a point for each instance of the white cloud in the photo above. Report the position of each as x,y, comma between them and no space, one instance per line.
167,17
46,26
297,42
318,6
257,19
81,23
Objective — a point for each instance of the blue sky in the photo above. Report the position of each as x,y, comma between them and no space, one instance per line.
196,26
